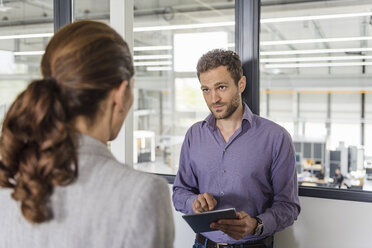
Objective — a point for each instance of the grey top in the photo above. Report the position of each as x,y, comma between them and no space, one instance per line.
109,205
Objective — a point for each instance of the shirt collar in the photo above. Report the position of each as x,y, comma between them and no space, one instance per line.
210,121
88,144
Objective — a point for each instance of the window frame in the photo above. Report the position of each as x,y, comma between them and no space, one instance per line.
247,28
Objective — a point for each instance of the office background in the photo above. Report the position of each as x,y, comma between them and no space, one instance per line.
313,77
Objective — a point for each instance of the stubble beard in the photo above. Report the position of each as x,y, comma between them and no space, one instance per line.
231,108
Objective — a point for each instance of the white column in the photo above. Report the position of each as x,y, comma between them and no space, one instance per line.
121,19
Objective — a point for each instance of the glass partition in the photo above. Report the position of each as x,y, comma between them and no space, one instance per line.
315,68
169,37
25,28
92,10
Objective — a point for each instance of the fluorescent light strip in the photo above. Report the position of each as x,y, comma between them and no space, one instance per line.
146,57
317,17
207,25
152,48
267,20
278,66
264,60
28,53
315,51
159,68
307,59
139,57
285,42
23,36
186,26
152,63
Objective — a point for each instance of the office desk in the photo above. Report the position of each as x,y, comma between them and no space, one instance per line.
312,181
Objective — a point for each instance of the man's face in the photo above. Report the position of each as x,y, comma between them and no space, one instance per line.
220,92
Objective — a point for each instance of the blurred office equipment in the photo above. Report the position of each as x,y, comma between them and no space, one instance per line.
352,158
310,155
360,159
144,146
298,162
344,157
334,162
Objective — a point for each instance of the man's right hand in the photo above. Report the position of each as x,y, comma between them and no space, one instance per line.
204,202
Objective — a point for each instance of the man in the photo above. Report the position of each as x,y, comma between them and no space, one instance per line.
338,178
236,159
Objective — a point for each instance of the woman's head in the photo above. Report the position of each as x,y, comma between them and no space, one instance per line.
88,59
86,67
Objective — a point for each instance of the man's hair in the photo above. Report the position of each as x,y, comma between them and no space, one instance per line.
220,57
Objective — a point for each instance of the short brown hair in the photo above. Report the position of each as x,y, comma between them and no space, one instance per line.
220,57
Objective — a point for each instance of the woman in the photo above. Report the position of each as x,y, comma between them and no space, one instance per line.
61,187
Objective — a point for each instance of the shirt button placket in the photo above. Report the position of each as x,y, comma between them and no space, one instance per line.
223,171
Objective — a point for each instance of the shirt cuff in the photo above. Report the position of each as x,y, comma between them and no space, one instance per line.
268,224
189,203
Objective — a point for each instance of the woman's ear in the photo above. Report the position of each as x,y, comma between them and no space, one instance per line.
120,92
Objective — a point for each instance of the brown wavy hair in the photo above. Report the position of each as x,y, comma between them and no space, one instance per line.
82,63
220,57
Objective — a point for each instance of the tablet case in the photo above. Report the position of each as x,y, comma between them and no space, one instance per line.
200,222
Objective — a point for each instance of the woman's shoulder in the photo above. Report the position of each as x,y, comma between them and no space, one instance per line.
121,174
141,177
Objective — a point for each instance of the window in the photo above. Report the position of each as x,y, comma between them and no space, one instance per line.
92,10
169,38
25,28
314,82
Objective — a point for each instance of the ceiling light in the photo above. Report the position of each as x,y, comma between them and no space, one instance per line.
139,57
283,60
152,48
146,57
285,42
267,20
152,63
23,36
159,68
317,17
340,50
185,26
28,53
315,65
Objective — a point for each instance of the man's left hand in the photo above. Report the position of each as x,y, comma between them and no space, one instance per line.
237,228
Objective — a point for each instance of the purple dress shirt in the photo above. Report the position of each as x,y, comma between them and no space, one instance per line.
253,172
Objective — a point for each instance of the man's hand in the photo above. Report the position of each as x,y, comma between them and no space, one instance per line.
204,202
238,228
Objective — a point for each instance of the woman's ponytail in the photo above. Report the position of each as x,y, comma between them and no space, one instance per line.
38,148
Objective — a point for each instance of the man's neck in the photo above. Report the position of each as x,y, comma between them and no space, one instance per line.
231,124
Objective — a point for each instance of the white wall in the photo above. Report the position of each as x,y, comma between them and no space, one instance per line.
330,224
185,236
322,223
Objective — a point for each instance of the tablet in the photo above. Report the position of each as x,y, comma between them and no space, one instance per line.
200,222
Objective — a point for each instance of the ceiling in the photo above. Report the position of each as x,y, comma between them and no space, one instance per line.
293,51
